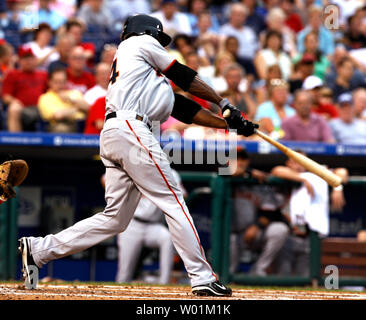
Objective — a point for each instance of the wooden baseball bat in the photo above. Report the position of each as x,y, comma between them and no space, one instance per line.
310,165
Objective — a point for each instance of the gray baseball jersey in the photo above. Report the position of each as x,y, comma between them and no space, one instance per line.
138,81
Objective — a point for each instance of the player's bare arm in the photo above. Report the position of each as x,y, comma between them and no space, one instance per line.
290,174
207,118
202,90
187,79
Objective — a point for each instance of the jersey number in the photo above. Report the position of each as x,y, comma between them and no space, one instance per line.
114,72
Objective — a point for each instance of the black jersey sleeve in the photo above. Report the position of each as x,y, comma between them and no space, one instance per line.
180,74
184,109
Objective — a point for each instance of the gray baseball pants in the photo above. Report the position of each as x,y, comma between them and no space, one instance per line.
135,164
274,238
130,242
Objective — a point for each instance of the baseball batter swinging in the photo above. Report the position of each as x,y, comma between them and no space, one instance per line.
139,93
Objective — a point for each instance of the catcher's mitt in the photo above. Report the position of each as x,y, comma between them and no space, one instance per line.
12,173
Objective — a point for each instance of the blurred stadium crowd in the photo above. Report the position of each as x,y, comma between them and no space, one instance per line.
295,66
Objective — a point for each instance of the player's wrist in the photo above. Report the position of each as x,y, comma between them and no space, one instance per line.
339,188
224,103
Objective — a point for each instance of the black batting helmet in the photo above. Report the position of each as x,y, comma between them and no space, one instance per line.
143,24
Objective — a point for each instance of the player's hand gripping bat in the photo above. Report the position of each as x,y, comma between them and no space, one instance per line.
310,165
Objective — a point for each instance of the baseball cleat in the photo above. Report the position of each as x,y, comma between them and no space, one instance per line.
212,289
29,267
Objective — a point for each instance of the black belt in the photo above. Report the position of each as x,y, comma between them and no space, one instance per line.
114,115
141,220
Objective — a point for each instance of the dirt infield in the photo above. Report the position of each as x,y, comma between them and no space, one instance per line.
17,291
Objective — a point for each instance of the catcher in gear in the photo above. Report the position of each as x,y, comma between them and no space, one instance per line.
12,174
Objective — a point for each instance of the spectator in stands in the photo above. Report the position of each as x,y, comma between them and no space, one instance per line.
121,9
95,119
7,63
64,45
276,22
339,55
301,70
102,74
21,90
271,113
173,21
234,75
41,48
308,211
237,28
193,61
354,38
347,128
306,125
359,103
3,9
254,19
204,25
293,20
67,8
94,13
262,86
345,81
7,58
326,40
321,61
183,45
194,10
43,15
76,28
207,41
14,15
231,45
314,85
107,55
326,96
223,60
77,77
61,107
272,53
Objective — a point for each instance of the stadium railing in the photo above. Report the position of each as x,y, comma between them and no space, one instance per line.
8,238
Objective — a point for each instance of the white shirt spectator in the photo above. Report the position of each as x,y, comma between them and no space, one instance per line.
283,60
178,24
93,94
121,9
314,211
101,18
248,43
349,133
42,52
347,8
